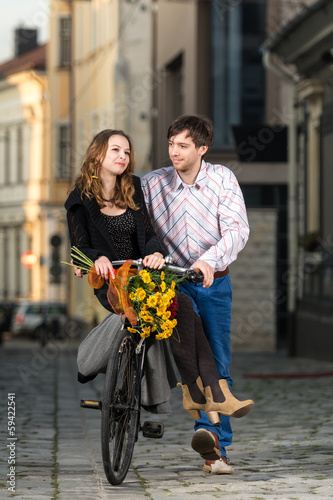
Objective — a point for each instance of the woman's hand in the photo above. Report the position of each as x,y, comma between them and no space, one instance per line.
154,261
77,270
104,267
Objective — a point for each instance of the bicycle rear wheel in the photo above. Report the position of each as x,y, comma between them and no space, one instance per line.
120,408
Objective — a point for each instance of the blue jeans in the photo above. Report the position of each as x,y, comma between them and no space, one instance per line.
213,305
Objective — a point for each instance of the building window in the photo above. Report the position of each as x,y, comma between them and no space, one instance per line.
175,88
64,42
238,78
64,153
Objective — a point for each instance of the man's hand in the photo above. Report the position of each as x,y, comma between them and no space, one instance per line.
206,270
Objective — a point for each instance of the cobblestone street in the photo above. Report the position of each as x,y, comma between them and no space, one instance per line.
282,450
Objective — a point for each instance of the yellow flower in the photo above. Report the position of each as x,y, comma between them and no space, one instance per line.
141,294
173,284
147,318
145,276
145,333
165,300
132,296
152,286
168,324
163,286
152,301
162,275
170,293
132,330
163,335
166,315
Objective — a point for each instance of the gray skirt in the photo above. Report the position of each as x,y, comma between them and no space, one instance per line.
160,371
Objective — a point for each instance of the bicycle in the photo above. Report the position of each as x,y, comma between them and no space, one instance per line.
120,405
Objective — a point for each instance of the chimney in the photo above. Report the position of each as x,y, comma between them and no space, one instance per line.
25,40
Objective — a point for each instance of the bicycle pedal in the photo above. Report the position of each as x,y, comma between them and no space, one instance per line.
87,403
153,430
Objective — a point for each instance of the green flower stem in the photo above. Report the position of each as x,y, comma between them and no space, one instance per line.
82,261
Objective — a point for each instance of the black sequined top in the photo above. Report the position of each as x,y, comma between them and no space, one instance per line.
123,232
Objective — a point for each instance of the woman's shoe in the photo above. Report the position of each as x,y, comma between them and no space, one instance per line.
193,407
213,416
230,407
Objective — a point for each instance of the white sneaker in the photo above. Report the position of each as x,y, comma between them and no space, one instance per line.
218,466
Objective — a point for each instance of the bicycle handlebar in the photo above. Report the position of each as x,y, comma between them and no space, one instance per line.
193,275
190,273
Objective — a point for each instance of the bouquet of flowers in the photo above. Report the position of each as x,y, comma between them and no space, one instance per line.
152,295
147,298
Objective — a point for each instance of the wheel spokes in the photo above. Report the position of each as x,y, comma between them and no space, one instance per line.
122,407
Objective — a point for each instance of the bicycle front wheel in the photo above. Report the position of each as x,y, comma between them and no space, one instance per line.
120,408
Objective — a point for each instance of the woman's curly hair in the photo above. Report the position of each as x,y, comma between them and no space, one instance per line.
92,187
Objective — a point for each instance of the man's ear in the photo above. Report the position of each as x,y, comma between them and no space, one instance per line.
203,150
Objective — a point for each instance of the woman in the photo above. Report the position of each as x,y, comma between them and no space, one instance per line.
108,220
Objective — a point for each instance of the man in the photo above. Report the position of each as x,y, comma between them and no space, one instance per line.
200,217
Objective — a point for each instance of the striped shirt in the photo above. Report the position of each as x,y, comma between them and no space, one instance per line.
206,221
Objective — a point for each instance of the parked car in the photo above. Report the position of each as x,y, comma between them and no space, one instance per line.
46,320
36,318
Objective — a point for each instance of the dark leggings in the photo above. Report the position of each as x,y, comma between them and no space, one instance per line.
190,347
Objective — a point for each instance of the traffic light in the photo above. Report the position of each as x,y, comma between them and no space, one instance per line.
55,266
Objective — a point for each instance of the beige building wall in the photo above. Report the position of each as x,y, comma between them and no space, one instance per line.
23,182
112,74
135,79
95,36
255,295
181,33
177,33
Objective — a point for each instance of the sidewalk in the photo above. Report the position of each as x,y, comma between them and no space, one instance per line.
282,450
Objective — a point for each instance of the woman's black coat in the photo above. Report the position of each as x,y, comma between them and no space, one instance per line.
88,231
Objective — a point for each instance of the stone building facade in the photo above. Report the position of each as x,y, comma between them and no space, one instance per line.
254,286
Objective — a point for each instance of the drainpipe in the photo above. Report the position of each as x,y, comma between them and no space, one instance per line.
292,276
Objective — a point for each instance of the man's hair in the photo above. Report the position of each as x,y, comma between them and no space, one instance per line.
200,129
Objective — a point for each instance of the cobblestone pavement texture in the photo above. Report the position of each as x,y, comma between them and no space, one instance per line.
282,450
